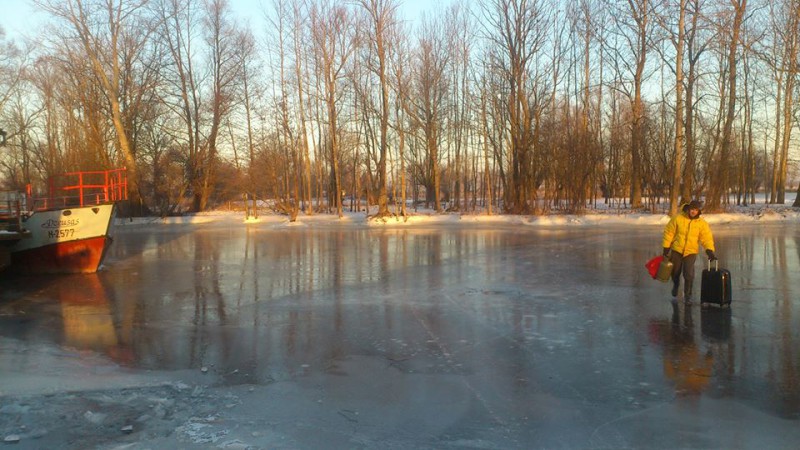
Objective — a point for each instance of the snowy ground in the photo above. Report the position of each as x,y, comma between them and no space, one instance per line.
440,331
758,212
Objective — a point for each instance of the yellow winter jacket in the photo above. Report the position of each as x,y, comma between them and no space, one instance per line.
682,234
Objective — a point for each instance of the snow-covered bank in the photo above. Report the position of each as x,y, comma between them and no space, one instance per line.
757,213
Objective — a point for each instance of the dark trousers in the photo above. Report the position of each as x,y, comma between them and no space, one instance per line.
685,265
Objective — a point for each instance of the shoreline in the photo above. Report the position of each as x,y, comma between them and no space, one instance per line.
756,214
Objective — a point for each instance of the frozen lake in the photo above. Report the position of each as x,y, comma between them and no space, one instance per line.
425,337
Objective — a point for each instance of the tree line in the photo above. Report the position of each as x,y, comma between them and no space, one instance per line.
513,106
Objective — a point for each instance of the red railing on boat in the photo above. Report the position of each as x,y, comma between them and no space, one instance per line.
10,211
84,188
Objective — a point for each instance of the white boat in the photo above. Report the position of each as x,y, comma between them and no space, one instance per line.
68,229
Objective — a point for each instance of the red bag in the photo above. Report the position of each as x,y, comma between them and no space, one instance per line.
652,265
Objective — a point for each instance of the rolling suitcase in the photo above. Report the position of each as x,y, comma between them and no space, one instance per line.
715,285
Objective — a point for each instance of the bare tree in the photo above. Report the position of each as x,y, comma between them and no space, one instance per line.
589,138
250,69
101,26
299,31
182,94
747,165
11,69
575,142
677,156
635,25
460,36
515,29
427,107
225,42
335,43
694,51
790,46
719,180
401,60
382,21
16,121
486,138
287,139
201,89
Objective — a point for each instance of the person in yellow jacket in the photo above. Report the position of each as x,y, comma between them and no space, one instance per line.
683,236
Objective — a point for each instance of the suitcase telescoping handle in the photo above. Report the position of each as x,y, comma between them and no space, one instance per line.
716,264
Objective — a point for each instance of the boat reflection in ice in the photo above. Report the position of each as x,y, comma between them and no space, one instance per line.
88,322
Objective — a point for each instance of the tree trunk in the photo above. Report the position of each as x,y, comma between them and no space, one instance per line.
719,185
678,154
694,55
642,16
788,104
301,110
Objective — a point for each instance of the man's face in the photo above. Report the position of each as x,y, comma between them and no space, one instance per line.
693,212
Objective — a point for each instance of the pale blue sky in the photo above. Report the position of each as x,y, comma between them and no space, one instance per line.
17,16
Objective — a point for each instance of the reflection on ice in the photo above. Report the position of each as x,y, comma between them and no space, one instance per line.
685,363
87,315
715,325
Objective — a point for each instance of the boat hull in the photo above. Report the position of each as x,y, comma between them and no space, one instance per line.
68,240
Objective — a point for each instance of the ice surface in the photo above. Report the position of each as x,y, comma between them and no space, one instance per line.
458,334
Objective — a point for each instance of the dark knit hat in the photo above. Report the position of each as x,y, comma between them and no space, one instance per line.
694,204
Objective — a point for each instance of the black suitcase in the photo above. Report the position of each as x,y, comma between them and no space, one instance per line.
715,286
